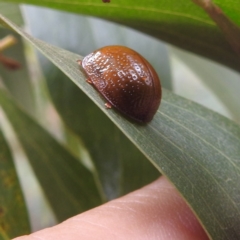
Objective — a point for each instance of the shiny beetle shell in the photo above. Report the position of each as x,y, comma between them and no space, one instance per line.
126,80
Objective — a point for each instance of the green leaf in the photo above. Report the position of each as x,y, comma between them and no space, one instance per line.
223,82
68,185
197,149
116,160
13,213
17,81
120,166
178,22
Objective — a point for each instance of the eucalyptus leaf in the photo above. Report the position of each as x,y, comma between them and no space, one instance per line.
114,157
197,149
69,186
17,81
120,166
178,22
223,82
13,210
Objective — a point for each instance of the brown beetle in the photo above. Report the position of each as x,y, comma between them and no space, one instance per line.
126,80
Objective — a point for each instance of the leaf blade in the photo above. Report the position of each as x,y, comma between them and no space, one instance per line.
60,174
13,211
114,157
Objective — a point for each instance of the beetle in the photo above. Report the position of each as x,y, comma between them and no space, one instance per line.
126,80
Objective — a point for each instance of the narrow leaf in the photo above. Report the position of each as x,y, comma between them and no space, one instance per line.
116,160
16,78
17,81
13,213
223,82
119,164
68,185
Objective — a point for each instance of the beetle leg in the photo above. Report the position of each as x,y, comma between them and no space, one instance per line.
79,62
108,105
89,81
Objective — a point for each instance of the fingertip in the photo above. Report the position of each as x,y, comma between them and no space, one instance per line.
156,211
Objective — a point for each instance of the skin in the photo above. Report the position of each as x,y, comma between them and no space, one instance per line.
156,211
